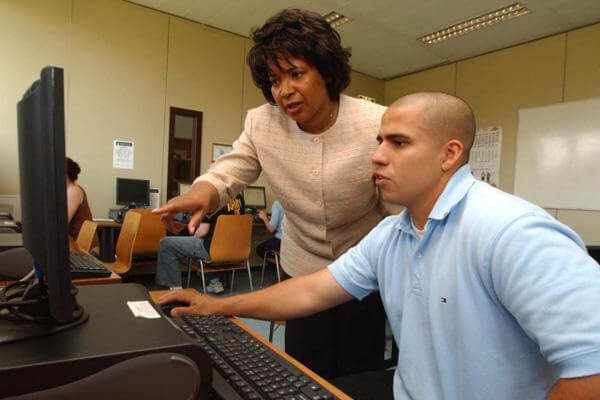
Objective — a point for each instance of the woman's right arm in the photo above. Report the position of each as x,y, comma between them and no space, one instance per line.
74,200
201,199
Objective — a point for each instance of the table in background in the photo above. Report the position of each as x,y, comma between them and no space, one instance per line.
112,278
108,232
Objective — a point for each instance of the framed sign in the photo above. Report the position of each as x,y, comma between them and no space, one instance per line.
219,149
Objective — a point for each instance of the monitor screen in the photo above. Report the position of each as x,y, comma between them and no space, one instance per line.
133,192
255,197
41,137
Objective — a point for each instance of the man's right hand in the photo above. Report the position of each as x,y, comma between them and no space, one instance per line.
201,199
200,304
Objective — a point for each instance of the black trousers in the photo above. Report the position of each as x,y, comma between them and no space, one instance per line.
343,340
270,244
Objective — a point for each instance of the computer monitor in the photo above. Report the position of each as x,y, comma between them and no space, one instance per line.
255,198
50,297
133,192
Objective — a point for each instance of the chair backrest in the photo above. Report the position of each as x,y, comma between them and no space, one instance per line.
231,239
86,235
150,232
127,236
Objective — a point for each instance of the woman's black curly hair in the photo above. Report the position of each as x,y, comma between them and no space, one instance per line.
72,169
299,34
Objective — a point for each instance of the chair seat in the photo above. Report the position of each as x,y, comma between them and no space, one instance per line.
222,268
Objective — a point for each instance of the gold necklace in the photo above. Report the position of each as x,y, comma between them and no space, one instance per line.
327,125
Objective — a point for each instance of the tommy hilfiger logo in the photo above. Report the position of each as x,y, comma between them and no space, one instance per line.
443,300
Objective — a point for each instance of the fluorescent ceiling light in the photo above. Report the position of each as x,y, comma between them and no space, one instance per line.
473,24
336,19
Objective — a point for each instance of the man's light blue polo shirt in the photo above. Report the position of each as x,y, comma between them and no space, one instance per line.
496,301
276,218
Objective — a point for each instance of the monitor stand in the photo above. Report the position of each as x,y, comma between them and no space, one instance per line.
13,328
13,331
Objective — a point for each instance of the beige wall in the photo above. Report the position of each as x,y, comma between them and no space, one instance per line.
546,71
33,34
125,65
116,70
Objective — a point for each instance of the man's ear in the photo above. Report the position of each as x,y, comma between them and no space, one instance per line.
452,154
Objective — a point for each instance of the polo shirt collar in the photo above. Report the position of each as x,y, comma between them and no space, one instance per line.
456,189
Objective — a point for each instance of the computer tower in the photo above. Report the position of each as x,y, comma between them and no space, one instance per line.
111,335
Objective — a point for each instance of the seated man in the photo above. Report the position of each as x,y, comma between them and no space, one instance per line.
488,296
273,224
172,248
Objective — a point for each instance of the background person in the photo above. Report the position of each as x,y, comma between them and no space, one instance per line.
313,145
172,248
483,305
78,209
273,225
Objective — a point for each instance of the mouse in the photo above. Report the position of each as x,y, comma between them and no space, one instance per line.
166,308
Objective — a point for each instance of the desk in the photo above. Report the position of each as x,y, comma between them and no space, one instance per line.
10,240
155,295
108,231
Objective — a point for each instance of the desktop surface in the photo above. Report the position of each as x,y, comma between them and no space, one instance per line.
112,334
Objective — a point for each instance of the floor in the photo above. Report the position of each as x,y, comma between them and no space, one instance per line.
242,285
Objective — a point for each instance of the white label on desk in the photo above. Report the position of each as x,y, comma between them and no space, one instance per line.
143,309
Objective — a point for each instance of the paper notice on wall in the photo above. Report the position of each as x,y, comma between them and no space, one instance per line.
123,154
484,158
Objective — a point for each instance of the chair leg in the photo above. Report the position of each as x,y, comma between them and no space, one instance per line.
271,331
189,271
262,274
203,280
249,274
277,266
232,278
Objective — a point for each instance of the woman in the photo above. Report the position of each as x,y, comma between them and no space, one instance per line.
77,204
314,147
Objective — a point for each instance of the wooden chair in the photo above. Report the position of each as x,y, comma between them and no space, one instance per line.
86,235
145,247
127,236
271,256
150,232
229,248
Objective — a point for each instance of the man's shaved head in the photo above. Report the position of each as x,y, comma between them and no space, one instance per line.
446,116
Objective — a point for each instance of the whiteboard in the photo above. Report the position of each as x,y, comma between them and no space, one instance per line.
558,155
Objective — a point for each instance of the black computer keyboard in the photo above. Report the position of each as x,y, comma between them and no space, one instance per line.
84,265
250,367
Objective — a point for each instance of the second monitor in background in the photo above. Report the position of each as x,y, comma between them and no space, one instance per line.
133,193
255,199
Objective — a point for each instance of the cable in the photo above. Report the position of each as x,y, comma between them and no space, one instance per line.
17,290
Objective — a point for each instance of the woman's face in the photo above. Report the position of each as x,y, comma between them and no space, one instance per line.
300,91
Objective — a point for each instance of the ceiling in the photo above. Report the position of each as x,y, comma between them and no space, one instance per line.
383,33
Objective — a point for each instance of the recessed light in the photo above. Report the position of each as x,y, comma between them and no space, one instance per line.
473,24
336,19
